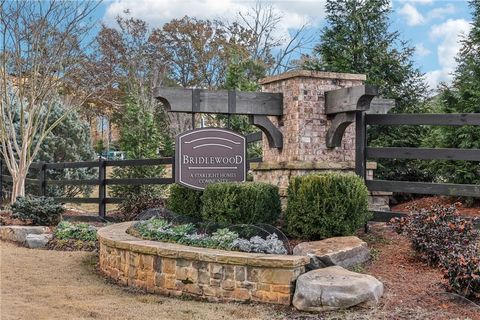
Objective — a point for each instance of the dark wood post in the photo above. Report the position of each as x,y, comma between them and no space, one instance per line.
360,152
102,188
173,167
360,144
42,179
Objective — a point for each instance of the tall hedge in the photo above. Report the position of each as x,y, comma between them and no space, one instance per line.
185,201
235,203
325,205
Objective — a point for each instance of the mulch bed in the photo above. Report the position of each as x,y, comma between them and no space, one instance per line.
427,202
409,282
6,219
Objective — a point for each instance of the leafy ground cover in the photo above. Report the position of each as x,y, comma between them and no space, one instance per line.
198,236
68,236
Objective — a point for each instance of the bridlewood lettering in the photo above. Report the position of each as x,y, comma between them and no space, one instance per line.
212,160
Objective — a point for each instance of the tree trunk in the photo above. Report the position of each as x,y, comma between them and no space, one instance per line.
18,189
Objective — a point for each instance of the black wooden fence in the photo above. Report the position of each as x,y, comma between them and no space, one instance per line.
364,152
102,181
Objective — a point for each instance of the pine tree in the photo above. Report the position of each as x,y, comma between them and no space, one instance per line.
462,97
357,39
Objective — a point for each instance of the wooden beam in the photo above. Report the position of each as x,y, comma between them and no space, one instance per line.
349,99
220,101
139,181
448,189
458,119
386,216
425,153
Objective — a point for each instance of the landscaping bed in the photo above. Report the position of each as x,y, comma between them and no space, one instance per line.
215,275
413,290
207,236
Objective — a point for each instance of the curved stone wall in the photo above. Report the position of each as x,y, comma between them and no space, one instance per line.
215,275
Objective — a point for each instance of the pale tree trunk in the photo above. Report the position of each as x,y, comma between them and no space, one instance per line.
18,189
19,175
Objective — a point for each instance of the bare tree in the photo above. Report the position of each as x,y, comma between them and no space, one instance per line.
259,30
42,45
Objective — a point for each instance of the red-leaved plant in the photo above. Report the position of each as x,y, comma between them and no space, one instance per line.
444,238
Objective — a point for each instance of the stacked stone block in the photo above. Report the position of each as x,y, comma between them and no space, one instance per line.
304,126
214,275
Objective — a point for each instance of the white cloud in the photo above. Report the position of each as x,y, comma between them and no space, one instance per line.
415,17
441,12
157,12
449,35
422,1
412,15
421,50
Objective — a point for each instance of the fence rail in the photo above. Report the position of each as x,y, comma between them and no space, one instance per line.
364,152
434,119
102,181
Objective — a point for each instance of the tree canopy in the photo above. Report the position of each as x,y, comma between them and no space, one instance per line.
357,39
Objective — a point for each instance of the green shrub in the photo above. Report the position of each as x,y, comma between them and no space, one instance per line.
134,204
185,201
82,231
326,205
40,210
235,203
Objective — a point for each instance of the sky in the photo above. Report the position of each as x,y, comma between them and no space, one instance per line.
433,27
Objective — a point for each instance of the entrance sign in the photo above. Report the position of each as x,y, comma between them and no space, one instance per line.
208,155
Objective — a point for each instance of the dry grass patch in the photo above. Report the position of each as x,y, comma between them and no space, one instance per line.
41,284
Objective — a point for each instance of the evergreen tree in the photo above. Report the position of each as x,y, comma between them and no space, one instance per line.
357,39
69,141
243,75
462,97
140,138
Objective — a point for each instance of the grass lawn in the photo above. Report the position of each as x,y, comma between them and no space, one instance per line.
42,284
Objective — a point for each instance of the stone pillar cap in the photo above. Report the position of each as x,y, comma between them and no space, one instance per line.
313,74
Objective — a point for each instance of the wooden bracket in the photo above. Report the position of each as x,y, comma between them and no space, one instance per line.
339,124
274,136
343,104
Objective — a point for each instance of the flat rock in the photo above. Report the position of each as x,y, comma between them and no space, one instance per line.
335,288
345,252
19,233
37,241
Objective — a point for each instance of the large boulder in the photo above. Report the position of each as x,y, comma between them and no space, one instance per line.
335,288
37,241
345,252
19,233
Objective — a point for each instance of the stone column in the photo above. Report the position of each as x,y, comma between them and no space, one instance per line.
304,126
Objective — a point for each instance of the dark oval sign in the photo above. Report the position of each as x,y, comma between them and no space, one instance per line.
208,155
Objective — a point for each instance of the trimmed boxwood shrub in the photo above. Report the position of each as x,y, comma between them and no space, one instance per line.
326,205
237,203
39,210
185,201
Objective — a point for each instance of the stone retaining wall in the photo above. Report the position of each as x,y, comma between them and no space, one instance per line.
215,275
